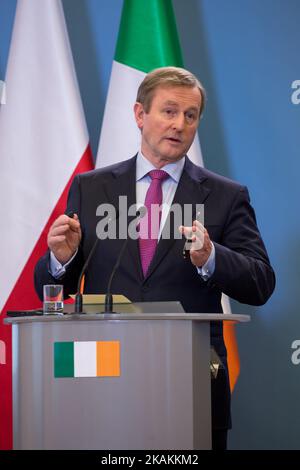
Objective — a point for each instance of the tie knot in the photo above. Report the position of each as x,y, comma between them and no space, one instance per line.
158,175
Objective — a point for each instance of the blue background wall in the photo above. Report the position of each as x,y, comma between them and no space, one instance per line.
246,54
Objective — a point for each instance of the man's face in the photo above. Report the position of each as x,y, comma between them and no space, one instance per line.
168,129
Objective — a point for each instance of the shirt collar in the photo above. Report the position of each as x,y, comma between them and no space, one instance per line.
143,166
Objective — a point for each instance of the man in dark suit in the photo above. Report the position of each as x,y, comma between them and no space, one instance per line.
227,253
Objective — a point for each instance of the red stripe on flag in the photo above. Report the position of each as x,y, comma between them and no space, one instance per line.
22,297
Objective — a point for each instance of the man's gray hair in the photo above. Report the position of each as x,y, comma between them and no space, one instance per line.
167,77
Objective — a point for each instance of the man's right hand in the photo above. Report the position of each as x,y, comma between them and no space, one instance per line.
64,237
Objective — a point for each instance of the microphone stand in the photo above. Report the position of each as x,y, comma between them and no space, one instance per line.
78,296
108,306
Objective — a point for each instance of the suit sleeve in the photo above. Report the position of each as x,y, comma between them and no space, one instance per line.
42,274
242,269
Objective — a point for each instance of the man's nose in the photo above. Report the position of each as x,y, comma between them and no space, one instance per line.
179,121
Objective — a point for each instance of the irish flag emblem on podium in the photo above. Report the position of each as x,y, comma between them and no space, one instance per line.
87,359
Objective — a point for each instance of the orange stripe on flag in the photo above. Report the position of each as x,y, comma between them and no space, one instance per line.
108,359
232,352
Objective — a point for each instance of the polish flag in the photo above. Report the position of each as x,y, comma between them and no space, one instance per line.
43,144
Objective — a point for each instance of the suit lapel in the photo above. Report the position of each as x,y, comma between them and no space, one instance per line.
122,183
192,190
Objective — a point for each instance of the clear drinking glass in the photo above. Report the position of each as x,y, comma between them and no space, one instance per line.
53,303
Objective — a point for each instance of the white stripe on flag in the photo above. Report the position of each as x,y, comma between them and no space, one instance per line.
2,92
120,136
85,364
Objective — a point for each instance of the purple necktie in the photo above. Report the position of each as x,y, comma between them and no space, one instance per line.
149,224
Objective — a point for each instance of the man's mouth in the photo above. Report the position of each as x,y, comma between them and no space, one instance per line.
174,140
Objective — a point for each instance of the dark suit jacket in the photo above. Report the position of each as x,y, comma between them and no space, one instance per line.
242,270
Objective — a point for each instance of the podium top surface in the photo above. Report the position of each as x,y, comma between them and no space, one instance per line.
123,312
117,317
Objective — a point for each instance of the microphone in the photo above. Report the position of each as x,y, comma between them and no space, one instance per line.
108,307
80,284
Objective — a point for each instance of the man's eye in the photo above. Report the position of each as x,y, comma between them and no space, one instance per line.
190,117
169,112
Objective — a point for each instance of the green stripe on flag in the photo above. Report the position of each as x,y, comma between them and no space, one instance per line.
148,35
64,359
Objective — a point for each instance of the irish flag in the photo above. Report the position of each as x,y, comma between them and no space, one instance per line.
147,39
87,359
43,144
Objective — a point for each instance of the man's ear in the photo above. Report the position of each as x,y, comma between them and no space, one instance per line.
139,114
